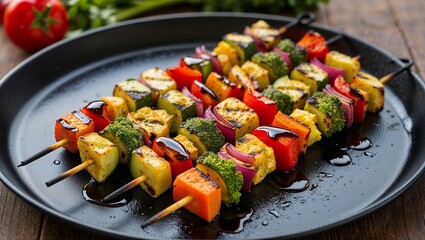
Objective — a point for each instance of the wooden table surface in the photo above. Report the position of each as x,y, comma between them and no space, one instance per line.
397,26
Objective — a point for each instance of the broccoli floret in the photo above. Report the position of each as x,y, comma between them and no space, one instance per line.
329,113
297,54
227,170
207,132
284,101
273,63
122,134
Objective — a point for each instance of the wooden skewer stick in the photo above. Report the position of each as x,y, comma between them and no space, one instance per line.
389,76
70,172
174,207
125,188
44,152
356,57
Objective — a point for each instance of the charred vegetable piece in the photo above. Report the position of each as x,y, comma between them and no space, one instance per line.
315,45
206,194
175,153
225,63
147,120
286,83
273,63
264,35
116,107
158,81
224,173
193,151
144,161
178,105
238,114
310,120
184,76
283,100
223,87
244,45
264,160
223,48
265,108
298,96
257,74
284,121
97,112
297,54
329,113
124,136
373,87
168,118
71,126
201,91
311,75
203,133
239,76
284,145
199,64
135,94
103,152
350,65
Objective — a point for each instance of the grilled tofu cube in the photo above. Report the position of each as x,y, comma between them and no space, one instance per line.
223,48
168,118
144,161
244,45
257,74
134,93
310,120
243,118
239,76
103,152
264,160
373,87
225,63
286,83
147,120
116,107
298,96
177,104
311,75
193,151
158,81
267,36
350,65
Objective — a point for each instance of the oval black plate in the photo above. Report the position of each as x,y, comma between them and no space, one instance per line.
68,75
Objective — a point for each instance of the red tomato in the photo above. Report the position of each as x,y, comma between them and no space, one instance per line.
97,111
3,5
315,44
359,97
265,108
35,24
174,153
207,96
284,144
184,76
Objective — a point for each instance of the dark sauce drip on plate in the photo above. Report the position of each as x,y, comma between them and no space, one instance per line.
336,156
94,192
292,181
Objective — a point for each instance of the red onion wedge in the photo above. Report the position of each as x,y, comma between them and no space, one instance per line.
258,42
234,152
146,139
228,131
347,104
284,55
198,102
333,73
204,53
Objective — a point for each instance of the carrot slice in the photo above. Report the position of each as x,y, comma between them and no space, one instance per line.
71,127
205,192
302,130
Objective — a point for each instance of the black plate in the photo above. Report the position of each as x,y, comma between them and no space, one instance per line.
66,76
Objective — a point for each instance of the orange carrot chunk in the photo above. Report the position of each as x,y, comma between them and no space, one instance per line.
205,192
71,127
289,123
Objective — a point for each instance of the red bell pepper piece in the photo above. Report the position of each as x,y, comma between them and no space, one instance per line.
284,144
223,87
184,76
359,97
97,111
265,108
174,153
315,44
207,96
